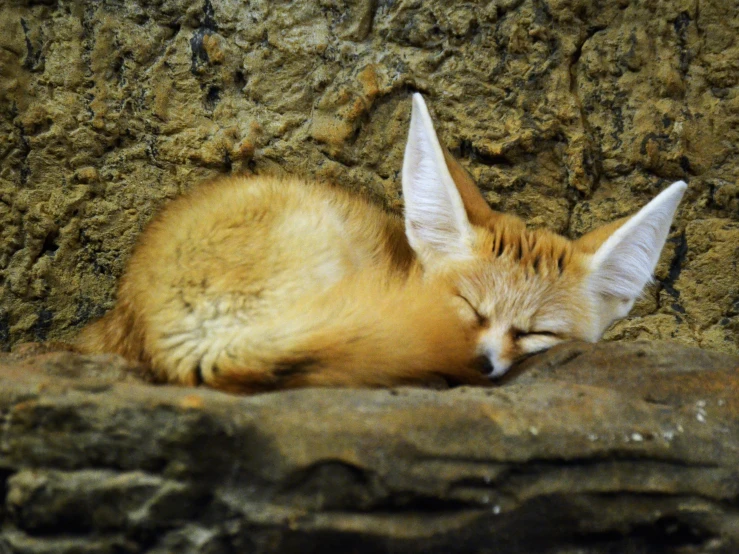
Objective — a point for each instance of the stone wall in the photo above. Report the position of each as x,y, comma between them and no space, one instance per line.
568,112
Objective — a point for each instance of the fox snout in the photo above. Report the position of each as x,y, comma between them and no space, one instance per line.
492,364
497,351
493,369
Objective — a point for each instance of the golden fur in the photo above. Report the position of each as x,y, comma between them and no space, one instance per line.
310,285
326,276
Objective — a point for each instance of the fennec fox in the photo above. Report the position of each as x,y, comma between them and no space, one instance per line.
262,283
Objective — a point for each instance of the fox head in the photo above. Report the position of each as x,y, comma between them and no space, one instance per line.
522,290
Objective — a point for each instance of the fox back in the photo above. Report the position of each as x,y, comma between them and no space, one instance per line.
262,283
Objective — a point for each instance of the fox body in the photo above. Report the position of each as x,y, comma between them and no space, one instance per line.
264,283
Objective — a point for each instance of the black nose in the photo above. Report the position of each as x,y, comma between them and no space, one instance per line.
485,365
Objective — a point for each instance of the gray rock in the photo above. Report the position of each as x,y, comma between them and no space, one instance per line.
587,448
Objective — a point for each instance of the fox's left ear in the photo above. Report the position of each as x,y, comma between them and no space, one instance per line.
623,263
436,222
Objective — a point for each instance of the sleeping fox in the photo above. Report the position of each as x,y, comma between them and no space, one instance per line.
251,284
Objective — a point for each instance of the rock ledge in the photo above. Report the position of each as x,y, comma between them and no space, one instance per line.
588,448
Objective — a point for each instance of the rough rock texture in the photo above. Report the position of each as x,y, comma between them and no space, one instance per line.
627,448
568,112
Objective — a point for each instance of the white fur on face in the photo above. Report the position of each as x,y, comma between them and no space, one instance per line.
514,304
492,345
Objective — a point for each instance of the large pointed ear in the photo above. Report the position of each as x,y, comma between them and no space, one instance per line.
435,219
624,262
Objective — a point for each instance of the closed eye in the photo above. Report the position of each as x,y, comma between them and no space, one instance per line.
519,334
482,321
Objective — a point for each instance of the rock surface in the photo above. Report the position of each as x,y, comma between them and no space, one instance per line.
628,448
568,112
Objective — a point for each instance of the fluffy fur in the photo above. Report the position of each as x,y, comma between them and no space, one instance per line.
254,284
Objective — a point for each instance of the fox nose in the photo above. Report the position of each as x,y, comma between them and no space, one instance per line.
486,366
493,366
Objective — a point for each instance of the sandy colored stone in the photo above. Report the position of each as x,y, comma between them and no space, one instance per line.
567,113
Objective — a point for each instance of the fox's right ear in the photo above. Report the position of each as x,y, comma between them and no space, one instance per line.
435,219
623,263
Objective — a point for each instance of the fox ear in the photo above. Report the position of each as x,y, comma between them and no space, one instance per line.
623,264
435,217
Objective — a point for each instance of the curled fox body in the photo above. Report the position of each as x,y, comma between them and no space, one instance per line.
261,283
